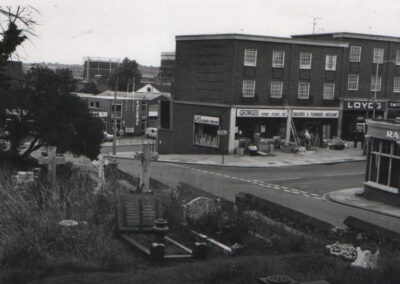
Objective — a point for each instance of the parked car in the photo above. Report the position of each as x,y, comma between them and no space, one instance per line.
108,137
151,132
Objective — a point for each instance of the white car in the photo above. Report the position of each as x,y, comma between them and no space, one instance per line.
108,137
151,132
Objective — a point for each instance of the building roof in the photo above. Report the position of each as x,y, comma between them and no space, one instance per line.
353,36
109,95
286,40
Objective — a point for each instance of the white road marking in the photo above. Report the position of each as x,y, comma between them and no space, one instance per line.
278,179
345,174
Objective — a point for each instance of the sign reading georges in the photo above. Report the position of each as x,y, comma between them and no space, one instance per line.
361,105
260,112
211,120
315,113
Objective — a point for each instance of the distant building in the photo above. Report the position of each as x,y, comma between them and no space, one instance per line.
167,68
132,111
149,74
382,179
99,70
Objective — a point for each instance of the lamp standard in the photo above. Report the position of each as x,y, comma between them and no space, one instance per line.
376,83
114,145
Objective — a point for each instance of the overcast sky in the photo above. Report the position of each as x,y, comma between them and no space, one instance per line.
68,30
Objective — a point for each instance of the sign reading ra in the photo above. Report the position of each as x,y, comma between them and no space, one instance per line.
392,134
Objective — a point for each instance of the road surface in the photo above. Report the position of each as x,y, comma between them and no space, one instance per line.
300,188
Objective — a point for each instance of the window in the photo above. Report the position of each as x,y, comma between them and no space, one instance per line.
97,104
329,91
250,57
116,110
396,85
355,54
276,89
352,82
330,62
384,164
205,131
397,57
278,58
91,104
305,60
376,83
304,91
378,55
249,88
143,106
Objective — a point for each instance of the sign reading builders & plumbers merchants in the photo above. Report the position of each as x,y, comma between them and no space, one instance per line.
304,113
260,112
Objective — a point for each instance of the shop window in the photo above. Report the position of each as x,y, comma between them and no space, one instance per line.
305,60
383,170
278,59
304,91
250,57
374,168
276,89
376,83
378,55
355,54
396,85
329,91
205,131
249,87
352,82
330,62
395,177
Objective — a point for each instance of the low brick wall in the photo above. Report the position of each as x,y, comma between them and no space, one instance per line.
381,196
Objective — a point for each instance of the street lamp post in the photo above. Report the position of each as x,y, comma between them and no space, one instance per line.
114,145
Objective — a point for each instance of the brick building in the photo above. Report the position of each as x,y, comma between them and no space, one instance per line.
241,83
366,54
133,112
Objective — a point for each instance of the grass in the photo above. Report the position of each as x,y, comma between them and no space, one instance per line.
35,246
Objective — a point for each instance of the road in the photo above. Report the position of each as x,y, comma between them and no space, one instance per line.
299,188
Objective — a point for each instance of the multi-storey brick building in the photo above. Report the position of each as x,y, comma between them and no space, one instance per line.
243,84
365,55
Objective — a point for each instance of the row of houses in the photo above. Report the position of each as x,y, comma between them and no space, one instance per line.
254,86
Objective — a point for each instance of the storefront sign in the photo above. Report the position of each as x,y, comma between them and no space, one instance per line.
260,112
100,114
222,132
129,130
363,105
315,113
393,104
211,120
153,113
392,134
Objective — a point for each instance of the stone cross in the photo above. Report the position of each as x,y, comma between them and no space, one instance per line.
51,161
145,156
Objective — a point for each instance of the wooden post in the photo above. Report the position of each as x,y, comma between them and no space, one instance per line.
102,179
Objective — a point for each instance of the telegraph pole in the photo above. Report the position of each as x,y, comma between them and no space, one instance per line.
114,145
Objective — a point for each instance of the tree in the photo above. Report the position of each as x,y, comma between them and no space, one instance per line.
43,112
127,73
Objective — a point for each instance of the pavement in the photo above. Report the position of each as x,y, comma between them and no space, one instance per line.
354,197
276,159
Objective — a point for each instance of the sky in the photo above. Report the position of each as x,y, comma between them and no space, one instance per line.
68,30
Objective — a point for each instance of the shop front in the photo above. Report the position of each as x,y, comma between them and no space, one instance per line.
254,123
321,124
393,109
382,179
205,131
357,110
